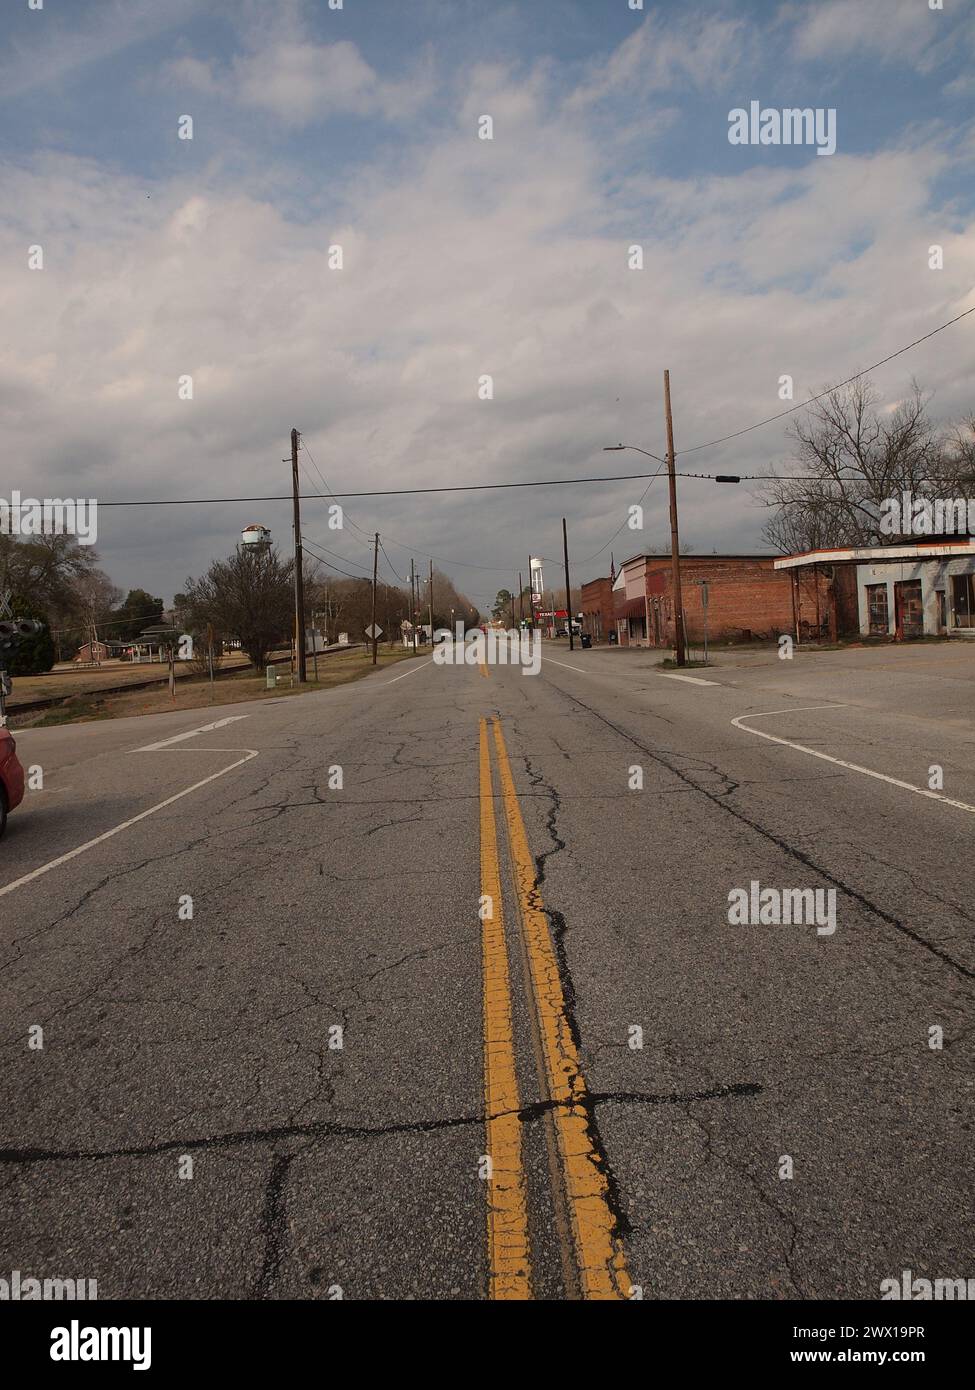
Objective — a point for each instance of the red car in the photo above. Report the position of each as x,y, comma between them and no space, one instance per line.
11,777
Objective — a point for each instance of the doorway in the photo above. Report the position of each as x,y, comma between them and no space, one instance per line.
908,609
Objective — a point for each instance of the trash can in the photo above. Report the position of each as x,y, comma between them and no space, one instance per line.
585,639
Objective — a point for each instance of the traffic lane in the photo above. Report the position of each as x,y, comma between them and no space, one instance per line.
274,866
216,1033
863,833
62,819
738,1023
91,781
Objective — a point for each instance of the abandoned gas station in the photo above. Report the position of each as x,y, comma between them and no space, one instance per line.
908,589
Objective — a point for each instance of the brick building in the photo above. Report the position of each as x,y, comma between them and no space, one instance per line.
598,618
739,596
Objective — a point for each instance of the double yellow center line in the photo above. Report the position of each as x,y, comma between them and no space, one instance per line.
596,1256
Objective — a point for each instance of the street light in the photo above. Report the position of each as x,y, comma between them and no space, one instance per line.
680,646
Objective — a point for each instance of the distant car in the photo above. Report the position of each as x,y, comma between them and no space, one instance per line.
11,777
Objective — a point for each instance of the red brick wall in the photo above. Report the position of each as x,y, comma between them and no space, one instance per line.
744,596
597,609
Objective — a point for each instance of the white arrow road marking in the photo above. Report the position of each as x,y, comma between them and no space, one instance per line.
840,762
203,729
134,820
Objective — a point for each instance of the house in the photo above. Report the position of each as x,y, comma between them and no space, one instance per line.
906,589
91,653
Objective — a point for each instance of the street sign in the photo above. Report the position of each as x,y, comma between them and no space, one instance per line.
374,632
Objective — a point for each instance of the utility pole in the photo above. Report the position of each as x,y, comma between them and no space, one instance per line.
568,591
299,575
430,597
531,595
680,650
521,602
412,609
375,572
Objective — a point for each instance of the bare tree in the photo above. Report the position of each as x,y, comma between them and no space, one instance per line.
247,596
851,454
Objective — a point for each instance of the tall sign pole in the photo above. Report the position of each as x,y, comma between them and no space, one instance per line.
299,574
680,650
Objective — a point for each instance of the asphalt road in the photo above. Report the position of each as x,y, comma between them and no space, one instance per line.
476,1022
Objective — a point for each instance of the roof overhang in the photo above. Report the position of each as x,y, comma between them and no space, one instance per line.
870,554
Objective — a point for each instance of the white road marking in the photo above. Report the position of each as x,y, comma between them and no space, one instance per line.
691,680
840,762
581,669
409,673
133,820
203,729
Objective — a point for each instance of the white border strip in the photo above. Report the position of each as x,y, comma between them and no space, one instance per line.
552,662
134,820
409,673
840,762
203,729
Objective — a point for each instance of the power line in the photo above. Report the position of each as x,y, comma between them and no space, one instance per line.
363,577
622,524
389,562
801,405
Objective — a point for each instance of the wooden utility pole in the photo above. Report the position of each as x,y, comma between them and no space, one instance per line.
521,601
568,591
412,609
299,567
375,573
680,650
430,597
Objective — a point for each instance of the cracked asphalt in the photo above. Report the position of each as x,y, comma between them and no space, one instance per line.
283,1096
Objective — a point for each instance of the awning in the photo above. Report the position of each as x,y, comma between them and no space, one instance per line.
630,608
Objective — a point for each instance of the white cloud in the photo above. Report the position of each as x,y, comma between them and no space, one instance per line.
466,257
838,30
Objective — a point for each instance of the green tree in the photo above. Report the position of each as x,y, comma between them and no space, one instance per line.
140,610
502,604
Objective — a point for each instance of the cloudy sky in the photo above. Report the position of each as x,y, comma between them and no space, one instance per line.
462,257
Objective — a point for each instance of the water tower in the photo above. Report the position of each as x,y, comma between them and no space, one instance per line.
256,539
537,583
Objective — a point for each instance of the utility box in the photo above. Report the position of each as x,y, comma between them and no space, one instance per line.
270,677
